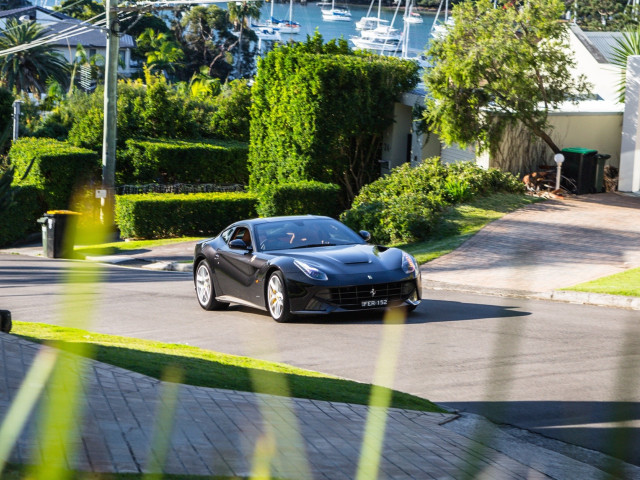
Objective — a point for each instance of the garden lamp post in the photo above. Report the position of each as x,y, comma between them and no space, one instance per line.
559,159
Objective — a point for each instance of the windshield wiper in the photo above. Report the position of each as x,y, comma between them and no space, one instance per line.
311,245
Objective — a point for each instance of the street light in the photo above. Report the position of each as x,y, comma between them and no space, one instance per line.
559,159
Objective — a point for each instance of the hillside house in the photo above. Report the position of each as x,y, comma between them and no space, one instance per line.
595,123
92,38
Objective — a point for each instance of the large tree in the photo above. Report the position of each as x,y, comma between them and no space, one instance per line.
497,67
28,69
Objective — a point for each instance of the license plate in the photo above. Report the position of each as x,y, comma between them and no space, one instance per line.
374,303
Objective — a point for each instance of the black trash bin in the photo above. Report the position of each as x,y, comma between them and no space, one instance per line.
58,233
581,166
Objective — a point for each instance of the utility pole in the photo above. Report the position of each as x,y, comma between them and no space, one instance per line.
110,114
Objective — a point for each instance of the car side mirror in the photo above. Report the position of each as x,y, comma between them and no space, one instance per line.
365,235
238,244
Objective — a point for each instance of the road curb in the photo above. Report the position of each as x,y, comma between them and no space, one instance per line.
566,296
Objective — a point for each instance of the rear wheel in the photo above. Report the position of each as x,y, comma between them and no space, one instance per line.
205,290
277,299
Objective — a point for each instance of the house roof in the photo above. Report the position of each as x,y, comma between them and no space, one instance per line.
604,42
92,37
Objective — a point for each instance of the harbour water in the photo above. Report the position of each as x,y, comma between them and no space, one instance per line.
310,18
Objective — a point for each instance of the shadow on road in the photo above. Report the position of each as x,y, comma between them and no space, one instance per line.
609,427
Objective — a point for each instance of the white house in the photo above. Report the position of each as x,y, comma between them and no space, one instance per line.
595,123
92,38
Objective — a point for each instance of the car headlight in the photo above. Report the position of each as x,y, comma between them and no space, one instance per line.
311,271
409,264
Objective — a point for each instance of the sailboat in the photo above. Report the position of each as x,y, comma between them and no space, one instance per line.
287,26
439,29
383,38
334,14
368,22
266,31
413,17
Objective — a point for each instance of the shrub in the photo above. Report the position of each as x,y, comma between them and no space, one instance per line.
21,217
404,205
174,161
300,198
157,215
57,169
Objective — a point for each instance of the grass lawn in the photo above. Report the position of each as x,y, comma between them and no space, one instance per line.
623,283
19,472
460,222
123,247
212,369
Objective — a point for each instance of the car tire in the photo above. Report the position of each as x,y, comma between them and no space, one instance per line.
205,290
278,299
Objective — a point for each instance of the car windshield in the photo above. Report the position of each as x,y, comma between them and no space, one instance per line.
304,233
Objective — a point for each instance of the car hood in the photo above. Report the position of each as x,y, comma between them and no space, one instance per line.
348,258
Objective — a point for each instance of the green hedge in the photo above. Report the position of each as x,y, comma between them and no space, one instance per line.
21,217
300,198
175,161
57,168
157,215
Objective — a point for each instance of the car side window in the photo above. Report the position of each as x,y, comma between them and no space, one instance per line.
226,235
242,233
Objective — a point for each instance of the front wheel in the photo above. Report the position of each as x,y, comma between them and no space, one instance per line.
205,290
277,299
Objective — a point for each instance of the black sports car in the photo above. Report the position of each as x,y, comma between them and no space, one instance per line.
302,265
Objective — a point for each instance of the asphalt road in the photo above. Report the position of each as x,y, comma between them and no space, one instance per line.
570,372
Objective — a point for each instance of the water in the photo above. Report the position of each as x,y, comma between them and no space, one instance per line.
310,17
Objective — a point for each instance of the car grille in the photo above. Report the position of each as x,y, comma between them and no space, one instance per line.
351,298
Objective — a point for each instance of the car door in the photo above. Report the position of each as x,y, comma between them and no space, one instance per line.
237,268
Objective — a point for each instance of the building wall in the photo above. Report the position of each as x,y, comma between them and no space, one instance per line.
599,132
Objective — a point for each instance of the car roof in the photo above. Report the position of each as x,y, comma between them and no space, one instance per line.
257,221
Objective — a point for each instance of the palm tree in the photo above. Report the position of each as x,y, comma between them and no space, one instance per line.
240,14
82,60
27,70
161,52
626,46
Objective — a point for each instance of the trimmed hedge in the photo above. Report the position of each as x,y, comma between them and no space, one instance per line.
158,215
57,168
301,198
21,216
175,161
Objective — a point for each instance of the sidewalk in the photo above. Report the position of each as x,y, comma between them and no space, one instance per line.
216,432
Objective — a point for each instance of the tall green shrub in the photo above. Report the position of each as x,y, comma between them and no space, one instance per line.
300,198
319,113
404,205
20,217
55,168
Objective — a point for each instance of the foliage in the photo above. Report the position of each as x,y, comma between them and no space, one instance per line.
161,52
300,198
80,9
608,15
27,70
405,205
497,67
231,112
204,33
625,47
169,215
319,112
19,218
142,112
174,161
6,117
55,168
